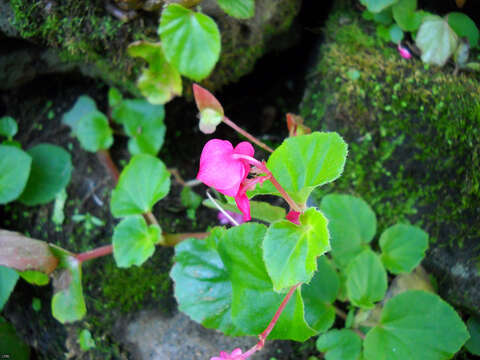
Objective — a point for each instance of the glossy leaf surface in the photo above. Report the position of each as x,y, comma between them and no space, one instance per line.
340,345
93,132
35,277
8,127
406,16
464,26
14,170
238,9
83,106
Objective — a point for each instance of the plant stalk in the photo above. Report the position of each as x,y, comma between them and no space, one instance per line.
246,134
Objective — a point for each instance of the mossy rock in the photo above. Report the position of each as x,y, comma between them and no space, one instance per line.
87,35
414,152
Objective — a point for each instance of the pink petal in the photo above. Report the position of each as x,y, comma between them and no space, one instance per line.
244,148
243,205
404,52
236,352
293,217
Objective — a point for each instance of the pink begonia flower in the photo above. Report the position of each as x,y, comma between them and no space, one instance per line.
235,355
404,52
224,220
293,216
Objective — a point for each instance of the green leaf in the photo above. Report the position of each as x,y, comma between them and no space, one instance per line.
366,280
340,345
160,82
396,34
93,131
50,173
189,198
83,106
115,97
319,294
464,27
376,6
290,251
260,210
352,225
406,16
8,279
134,241
35,277
384,17
305,162
68,304
416,325
85,340
403,247
143,182
10,344
241,252
473,344
190,40
143,122
14,169
202,284
436,40
8,127
238,9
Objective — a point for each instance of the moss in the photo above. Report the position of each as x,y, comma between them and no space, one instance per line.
412,130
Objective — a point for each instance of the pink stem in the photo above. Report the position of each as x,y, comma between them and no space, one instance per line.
95,253
246,134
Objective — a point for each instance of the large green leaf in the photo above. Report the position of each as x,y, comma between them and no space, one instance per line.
93,131
473,344
352,224
50,173
8,279
403,247
305,162
290,251
416,325
202,284
376,6
68,304
366,280
11,346
340,345
14,169
143,182
436,40
319,294
190,40
241,252
83,106
143,122
8,127
406,16
161,81
134,241
239,9
464,27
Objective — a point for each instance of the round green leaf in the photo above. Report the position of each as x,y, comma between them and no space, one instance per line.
406,16
14,169
403,247
8,127
473,344
340,345
8,279
416,325
241,252
239,9
366,280
290,251
93,131
384,17
134,241
352,225
85,340
143,182
10,344
83,106
50,174
376,6
319,294
305,162
396,34
190,40
464,27
202,284
436,40
143,122
35,277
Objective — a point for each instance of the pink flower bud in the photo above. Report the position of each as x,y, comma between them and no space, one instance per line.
404,52
293,216
235,355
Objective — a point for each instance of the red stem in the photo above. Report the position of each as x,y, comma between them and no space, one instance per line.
246,134
106,160
95,253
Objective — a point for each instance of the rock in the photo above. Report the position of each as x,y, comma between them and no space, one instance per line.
414,151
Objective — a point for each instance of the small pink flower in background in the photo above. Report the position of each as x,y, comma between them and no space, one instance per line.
224,220
235,355
404,52
293,216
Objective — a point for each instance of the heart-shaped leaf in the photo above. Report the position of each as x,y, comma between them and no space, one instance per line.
83,106
190,40
403,247
406,16
290,251
134,241
8,279
416,325
8,127
50,173
340,345
143,182
464,27
14,170
352,225
93,131
238,9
